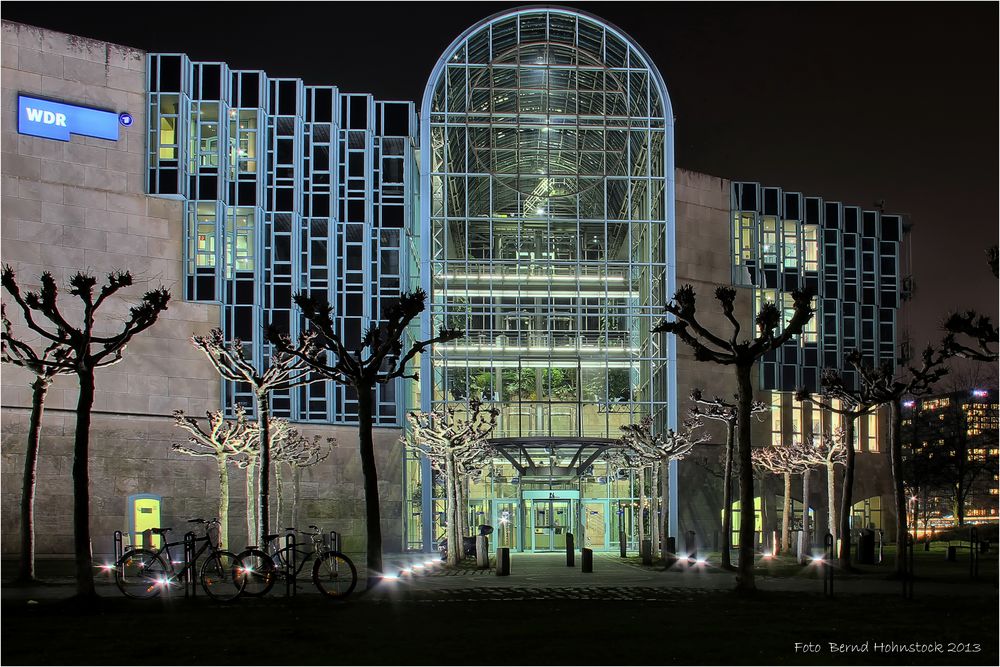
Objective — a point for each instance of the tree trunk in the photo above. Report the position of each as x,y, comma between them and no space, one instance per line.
279,491
654,510
846,504
899,492
296,480
26,567
664,508
831,499
222,460
373,517
251,502
81,487
805,541
727,499
264,474
451,503
642,506
786,514
745,577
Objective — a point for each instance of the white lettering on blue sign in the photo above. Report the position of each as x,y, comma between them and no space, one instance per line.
57,120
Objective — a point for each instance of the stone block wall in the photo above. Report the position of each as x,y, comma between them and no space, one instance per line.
80,206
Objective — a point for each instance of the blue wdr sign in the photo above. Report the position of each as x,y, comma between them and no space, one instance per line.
56,120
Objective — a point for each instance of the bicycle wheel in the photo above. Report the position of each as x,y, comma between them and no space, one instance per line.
222,576
334,574
141,574
259,571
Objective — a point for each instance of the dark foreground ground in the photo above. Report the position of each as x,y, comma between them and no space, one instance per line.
605,627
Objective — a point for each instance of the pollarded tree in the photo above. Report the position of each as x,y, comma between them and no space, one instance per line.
378,359
296,451
223,440
656,450
248,460
771,333
725,412
45,366
284,371
88,350
851,402
886,387
970,334
454,440
777,460
828,451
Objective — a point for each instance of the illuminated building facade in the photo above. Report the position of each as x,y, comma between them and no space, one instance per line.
952,454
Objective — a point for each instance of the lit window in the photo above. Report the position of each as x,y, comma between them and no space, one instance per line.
873,433
776,418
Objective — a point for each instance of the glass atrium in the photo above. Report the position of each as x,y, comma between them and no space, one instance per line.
547,234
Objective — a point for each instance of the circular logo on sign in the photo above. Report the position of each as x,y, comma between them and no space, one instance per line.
125,119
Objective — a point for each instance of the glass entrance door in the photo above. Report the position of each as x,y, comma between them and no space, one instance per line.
551,519
595,524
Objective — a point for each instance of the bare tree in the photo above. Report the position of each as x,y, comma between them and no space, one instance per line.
827,450
223,440
248,460
45,366
971,334
722,411
453,440
890,389
657,449
81,342
778,460
843,397
876,386
383,362
284,371
742,355
296,451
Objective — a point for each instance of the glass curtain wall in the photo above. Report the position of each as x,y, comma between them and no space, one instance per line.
547,191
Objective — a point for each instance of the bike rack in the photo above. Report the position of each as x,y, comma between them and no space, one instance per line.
290,565
828,566
190,586
973,553
119,548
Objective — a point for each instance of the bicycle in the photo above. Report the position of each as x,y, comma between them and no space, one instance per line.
333,573
143,574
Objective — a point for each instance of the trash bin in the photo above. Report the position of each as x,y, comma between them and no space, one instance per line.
865,550
952,554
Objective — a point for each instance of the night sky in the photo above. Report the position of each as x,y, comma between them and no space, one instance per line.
857,102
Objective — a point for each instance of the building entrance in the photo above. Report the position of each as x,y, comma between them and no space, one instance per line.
551,519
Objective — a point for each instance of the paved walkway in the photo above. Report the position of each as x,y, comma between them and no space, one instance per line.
546,576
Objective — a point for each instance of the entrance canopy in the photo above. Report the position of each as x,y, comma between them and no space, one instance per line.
552,458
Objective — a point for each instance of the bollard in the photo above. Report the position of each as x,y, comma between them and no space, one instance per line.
671,553
119,549
951,555
482,552
647,552
973,554
907,580
691,542
622,543
828,565
587,559
503,562
290,565
570,551
189,559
